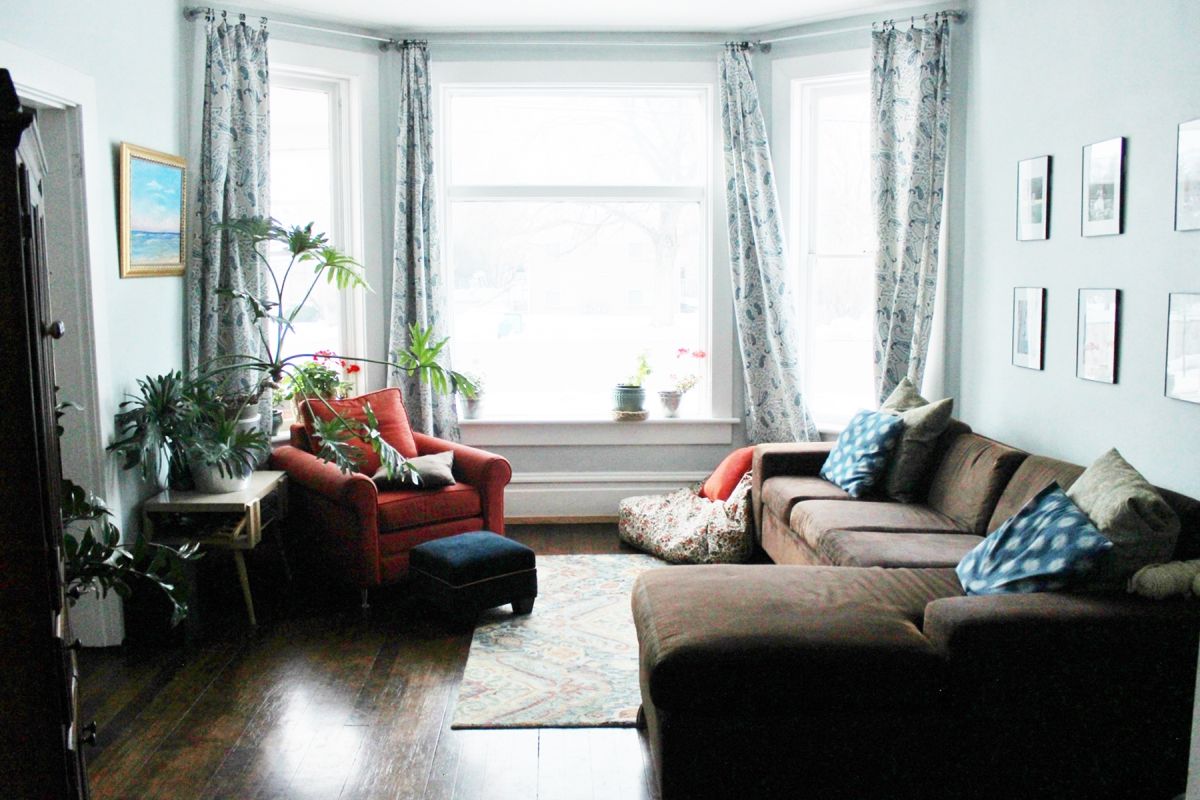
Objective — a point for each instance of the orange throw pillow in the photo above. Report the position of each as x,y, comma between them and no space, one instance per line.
726,476
390,413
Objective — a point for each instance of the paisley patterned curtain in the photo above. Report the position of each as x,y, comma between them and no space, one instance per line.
764,305
910,105
418,293
232,180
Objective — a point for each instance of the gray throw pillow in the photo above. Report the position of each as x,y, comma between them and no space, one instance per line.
434,472
924,422
1131,513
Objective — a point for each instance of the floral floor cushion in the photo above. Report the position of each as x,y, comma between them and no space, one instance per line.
684,528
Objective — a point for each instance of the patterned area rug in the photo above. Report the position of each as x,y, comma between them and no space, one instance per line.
572,663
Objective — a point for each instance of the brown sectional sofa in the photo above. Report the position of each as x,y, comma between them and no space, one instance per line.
856,667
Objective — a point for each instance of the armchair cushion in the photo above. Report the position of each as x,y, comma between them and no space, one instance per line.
407,508
388,408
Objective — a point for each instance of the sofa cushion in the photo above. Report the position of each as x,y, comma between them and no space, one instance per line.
970,478
404,508
766,639
924,423
812,519
1129,512
886,549
859,459
780,494
388,408
1049,545
1034,474
1188,511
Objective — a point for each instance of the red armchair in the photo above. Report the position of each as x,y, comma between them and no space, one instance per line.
365,533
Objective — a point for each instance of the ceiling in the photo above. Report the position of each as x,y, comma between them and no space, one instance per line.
714,16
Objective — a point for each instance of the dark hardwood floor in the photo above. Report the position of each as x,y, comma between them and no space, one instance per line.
320,702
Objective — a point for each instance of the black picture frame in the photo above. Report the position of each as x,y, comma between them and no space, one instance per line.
1029,327
1033,198
1098,335
1187,176
1102,198
1181,379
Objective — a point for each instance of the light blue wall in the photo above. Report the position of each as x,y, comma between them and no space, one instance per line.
135,50
1048,78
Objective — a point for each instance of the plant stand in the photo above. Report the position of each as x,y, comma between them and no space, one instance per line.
234,521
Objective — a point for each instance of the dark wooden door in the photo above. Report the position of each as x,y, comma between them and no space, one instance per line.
40,738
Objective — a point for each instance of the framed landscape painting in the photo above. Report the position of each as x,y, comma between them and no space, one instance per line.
1103,187
153,208
1183,346
1187,178
1096,337
1033,199
1029,306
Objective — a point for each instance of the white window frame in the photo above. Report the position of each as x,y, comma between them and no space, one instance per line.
716,423
793,82
346,231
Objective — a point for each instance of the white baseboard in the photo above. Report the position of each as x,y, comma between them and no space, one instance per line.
533,495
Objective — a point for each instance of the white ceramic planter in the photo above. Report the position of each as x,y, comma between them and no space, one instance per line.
209,479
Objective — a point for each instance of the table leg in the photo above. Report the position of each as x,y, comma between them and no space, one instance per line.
244,579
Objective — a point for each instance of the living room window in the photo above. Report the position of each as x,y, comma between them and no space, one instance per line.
313,177
835,242
578,227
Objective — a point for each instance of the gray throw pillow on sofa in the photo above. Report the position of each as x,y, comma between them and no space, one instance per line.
434,471
1131,513
924,422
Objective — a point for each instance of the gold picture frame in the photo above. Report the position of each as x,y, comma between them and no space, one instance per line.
153,218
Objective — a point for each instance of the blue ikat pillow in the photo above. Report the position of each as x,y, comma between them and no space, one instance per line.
860,456
1046,546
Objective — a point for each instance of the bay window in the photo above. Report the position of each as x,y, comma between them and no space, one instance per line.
577,238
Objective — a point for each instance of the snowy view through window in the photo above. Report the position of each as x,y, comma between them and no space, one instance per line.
577,239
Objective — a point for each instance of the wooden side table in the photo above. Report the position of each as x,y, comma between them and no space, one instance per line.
232,521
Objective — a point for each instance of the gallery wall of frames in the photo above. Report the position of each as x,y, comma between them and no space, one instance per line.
1098,310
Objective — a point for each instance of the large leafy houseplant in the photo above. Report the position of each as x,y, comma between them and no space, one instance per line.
95,559
160,419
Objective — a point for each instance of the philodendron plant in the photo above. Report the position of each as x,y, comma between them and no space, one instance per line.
240,380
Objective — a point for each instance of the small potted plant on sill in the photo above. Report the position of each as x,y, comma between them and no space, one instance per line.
630,395
472,405
318,380
680,382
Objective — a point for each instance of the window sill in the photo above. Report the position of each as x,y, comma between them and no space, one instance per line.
553,433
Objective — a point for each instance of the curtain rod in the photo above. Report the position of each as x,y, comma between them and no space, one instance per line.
764,45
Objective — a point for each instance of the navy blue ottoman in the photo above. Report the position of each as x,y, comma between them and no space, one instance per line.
467,573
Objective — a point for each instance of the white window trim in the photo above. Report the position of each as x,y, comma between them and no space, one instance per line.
816,70
716,427
300,71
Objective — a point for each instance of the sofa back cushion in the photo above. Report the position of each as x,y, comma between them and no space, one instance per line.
1188,509
970,478
1034,474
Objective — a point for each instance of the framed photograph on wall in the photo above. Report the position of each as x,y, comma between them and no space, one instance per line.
1097,334
1103,187
1033,199
1187,177
1183,346
1028,330
153,212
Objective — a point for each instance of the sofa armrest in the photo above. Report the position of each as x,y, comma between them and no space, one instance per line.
487,472
799,458
1051,650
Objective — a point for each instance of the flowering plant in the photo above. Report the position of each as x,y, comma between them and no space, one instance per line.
319,378
683,381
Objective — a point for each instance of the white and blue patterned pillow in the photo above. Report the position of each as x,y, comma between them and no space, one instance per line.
1044,547
860,457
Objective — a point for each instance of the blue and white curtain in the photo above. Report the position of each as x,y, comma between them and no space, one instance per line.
764,305
418,290
232,179
910,108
